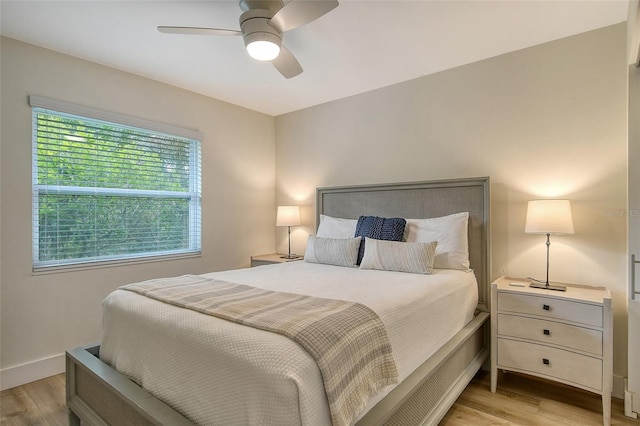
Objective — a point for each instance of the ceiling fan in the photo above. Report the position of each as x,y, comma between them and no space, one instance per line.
261,26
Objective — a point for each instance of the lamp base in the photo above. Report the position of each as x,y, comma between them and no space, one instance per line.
290,256
546,286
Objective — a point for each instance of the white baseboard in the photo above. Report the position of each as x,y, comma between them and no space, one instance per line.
618,387
628,401
31,371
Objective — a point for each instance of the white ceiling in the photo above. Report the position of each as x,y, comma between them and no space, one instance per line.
359,46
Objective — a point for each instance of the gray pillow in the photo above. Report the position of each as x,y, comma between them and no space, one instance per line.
332,251
385,255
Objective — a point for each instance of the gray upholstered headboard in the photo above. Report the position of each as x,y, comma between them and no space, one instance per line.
420,200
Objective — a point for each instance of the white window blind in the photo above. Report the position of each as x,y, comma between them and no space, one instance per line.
106,191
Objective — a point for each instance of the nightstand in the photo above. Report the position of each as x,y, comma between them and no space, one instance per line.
565,336
269,259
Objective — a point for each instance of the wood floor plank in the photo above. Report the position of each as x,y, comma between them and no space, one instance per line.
18,409
463,415
508,406
49,397
34,404
558,412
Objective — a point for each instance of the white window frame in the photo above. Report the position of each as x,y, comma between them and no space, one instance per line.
193,194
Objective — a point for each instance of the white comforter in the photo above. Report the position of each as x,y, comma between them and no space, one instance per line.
217,372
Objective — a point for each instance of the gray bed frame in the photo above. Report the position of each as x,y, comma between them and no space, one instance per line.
98,395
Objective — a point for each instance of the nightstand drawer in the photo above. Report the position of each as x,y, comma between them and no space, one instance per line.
570,336
551,362
551,308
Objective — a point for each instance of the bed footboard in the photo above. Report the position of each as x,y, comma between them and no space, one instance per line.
98,395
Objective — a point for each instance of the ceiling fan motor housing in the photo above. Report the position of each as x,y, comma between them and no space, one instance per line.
255,27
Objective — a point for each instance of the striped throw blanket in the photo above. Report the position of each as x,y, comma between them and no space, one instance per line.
347,340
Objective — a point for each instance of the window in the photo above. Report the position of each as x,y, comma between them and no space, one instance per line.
105,191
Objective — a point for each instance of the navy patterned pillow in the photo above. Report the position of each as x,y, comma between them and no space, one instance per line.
380,228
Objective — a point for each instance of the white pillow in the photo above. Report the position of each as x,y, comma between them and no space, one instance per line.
450,232
333,227
332,251
386,255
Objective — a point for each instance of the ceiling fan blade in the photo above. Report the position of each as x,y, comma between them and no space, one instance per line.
198,31
287,64
299,12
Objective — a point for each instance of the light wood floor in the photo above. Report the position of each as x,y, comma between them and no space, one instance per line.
39,403
525,400
520,400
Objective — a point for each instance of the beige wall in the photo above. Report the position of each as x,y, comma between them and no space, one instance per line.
547,121
43,315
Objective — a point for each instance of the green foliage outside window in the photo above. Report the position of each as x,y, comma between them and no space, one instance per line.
104,191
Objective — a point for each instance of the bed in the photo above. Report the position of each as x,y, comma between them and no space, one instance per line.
99,394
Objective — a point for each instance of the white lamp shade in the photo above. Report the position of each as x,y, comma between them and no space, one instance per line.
288,216
549,217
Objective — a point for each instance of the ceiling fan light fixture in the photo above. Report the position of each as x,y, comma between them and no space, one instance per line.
263,50
262,45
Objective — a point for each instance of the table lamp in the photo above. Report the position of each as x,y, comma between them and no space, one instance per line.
288,216
548,217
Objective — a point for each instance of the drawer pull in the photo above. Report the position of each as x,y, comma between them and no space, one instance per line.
546,332
546,307
545,361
